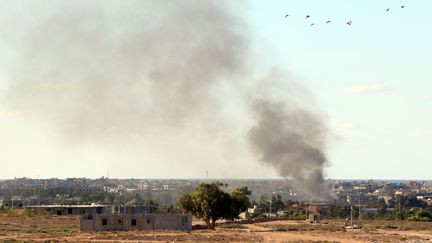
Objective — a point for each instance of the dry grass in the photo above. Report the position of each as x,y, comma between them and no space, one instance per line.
231,226
305,227
66,228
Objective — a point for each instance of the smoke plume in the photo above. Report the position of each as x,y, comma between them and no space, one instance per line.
114,70
97,72
291,139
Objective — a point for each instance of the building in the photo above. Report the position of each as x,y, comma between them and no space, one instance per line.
71,209
12,203
254,210
250,212
133,209
322,209
315,212
101,222
314,217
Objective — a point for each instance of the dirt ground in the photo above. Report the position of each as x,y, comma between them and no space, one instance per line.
66,228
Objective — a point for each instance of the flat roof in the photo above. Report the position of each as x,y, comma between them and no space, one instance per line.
68,206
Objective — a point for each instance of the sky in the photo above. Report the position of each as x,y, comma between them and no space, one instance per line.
370,81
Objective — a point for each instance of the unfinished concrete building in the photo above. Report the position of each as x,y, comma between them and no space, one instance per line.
101,222
71,209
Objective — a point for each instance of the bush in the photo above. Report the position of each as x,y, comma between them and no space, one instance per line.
296,214
419,214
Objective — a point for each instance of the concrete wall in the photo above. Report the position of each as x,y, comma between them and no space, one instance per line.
87,222
171,222
100,222
147,222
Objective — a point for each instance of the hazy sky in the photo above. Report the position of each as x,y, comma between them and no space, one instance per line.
371,82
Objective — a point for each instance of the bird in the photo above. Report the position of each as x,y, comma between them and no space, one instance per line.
307,16
349,22
403,6
312,24
388,9
328,22
286,15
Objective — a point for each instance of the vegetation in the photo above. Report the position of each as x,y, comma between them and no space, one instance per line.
419,214
232,226
305,227
40,229
210,203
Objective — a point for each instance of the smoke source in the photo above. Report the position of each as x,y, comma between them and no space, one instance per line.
291,139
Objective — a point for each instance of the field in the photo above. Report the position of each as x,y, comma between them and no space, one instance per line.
20,228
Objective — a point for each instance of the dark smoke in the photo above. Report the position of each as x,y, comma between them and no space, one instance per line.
292,139
115,70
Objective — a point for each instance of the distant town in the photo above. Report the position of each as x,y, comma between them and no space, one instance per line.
270,197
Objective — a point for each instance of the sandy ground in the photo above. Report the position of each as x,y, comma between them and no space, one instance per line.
66,229
333,231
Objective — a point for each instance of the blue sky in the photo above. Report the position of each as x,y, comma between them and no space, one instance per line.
372,80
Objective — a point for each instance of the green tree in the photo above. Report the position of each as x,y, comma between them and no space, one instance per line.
152,205
419,214
133,202
382,208
239,201
277,203
296,214
185,203
263,203
210,203
165,209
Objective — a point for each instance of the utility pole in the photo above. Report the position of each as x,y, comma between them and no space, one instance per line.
400,208
12,198
37,189
359,206
124,201
270,215
271,201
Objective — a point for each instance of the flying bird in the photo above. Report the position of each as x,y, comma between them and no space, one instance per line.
312,24
328,22
307,16
349,22
403,6
286,15
388,9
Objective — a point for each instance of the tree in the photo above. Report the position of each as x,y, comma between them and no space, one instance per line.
263,203
185,203
133,202
277,203
165,209
382,208
209,203
151,205
239,201
419,214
